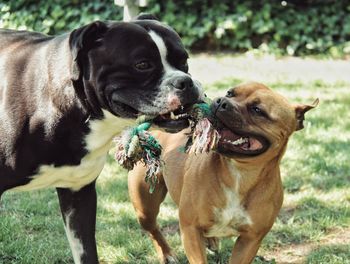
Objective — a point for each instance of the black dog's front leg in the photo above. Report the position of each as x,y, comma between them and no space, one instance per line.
79,215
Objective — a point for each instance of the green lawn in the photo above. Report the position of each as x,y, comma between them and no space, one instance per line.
314,220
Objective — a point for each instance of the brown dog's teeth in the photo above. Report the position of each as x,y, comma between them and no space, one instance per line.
240,141
237,142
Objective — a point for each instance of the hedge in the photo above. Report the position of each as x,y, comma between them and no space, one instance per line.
298,27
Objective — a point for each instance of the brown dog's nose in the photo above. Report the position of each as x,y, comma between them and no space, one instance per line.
221,104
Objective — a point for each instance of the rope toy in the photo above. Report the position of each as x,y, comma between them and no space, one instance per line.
137,144
203,136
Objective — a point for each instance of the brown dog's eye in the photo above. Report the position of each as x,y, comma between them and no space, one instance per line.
143,65
257,110
230,94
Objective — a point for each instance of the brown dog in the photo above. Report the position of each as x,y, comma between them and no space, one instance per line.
236,190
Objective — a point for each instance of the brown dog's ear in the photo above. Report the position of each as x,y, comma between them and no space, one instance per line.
83,39
300,111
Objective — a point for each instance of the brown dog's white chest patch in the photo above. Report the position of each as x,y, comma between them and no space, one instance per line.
228,218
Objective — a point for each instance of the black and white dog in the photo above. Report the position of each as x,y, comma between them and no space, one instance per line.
63,99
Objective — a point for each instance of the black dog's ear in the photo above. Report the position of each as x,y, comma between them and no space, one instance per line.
83,39
144,16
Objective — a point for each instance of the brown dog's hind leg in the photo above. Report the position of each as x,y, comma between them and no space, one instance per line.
147,208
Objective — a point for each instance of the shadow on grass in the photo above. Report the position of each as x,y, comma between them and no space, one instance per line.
31,229
309,220
320,213
330,254
9,259
318,167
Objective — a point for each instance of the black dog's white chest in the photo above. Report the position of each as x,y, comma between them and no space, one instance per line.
98,143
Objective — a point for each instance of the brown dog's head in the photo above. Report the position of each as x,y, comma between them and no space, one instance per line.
254,120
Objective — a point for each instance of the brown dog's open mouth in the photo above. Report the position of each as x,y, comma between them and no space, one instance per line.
240,143
174,121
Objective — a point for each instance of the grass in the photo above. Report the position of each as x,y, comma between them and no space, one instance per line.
314,220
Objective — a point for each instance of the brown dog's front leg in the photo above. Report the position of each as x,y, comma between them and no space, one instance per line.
194,245
245,249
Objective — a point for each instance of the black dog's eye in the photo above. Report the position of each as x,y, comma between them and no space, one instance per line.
143,65
230,94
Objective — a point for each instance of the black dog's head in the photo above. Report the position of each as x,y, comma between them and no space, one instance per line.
133,68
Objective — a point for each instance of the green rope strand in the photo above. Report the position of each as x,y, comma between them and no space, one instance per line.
137,144
203,136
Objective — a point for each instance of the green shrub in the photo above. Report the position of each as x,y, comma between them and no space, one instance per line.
57,16
296,27
292,27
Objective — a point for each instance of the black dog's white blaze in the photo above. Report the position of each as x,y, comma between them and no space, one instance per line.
166,90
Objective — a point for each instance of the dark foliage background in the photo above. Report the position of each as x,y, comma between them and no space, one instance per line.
296,27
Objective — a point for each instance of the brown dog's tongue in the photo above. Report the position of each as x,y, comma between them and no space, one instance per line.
254,144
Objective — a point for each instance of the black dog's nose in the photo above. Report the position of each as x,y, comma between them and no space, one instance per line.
183,83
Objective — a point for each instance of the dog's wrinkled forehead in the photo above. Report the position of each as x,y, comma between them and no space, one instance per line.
257,94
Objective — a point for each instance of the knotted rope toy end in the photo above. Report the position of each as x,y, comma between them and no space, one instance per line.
137,144
203,136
